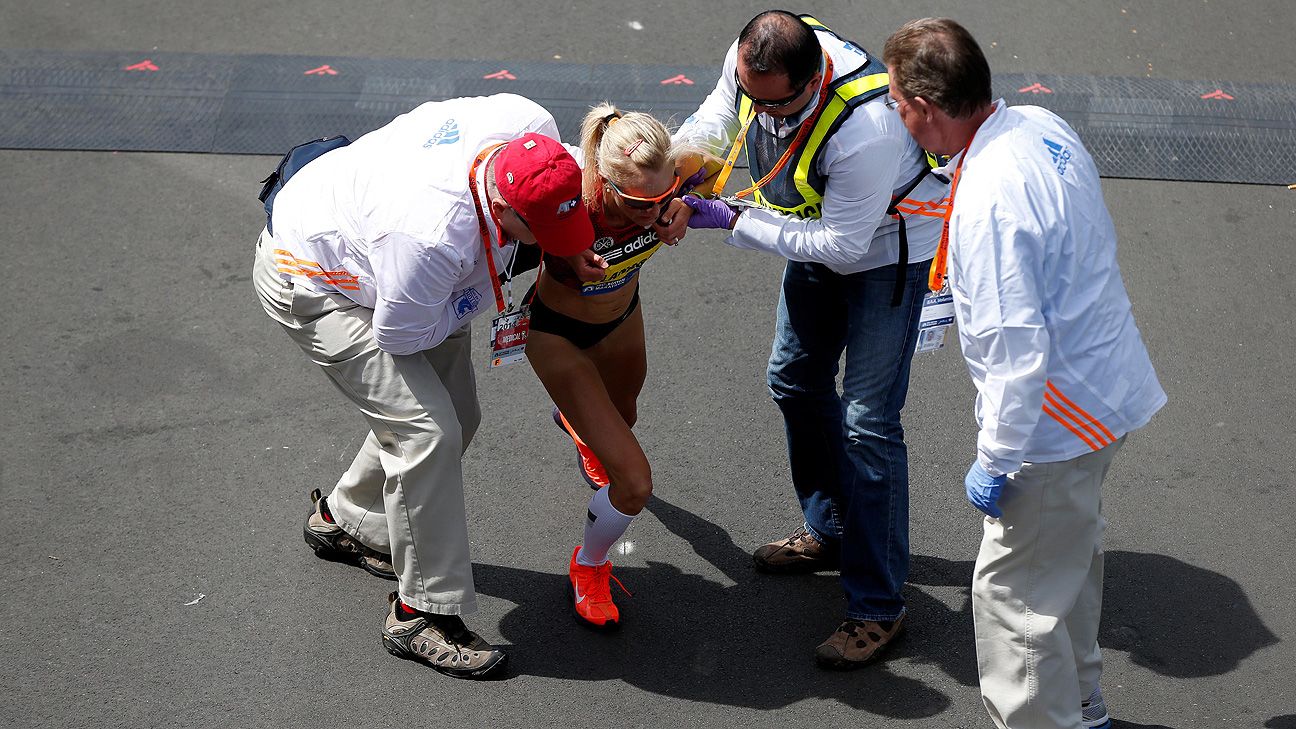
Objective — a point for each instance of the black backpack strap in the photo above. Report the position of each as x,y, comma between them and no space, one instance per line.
296,159
902,259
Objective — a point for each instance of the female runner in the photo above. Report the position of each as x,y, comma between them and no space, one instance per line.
587,339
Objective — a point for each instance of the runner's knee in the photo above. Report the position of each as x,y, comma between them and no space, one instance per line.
631,488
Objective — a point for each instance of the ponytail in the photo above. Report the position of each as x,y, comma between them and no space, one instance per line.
593,129
614,144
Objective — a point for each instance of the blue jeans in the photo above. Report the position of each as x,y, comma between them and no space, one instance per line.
849,463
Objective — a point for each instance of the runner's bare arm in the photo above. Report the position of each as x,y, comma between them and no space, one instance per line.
588,265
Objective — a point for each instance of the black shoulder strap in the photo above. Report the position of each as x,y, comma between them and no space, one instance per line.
902,257
297,158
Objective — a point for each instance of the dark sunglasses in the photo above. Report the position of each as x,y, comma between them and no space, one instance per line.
773,104
636,202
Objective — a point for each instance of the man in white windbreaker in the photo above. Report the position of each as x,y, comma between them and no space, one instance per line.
1060,370
375,258
830,163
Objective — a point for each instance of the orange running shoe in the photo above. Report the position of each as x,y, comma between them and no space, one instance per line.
591,468
592,593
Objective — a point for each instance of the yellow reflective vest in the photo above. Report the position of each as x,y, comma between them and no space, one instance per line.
798,188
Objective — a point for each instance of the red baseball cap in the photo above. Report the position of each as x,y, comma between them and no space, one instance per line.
540,180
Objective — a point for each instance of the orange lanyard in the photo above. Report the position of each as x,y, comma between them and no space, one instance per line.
807,126
936,277
481,226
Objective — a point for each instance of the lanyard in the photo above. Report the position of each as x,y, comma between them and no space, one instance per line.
807,126
485,232
936,277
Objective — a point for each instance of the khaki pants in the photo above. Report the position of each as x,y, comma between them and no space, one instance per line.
403,493
1037,594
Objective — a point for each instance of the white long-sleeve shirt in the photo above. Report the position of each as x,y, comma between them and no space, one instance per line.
389,221
1043,317
866,161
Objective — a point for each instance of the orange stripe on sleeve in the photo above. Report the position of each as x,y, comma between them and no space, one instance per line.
290,264
1070,427
301,261
1075,419
1053,388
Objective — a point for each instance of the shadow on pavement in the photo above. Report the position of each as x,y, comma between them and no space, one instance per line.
747,644
750,643
1176,619
1286,721
1156,608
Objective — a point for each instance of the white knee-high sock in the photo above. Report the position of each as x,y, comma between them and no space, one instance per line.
603,526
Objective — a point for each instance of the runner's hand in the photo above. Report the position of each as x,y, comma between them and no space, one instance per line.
672,224
588,265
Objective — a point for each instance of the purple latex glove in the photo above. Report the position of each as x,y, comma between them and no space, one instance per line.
694,180
710,213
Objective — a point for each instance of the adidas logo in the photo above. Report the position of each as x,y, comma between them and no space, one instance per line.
1061,155
447,134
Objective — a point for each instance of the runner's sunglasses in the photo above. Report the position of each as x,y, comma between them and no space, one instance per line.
635,202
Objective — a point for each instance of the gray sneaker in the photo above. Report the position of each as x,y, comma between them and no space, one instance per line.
799,552
442,642
331,542
1093,711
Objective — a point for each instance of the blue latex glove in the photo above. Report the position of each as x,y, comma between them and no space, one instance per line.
983,489
710,213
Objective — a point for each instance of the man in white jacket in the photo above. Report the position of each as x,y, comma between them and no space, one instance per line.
1060,370
375,259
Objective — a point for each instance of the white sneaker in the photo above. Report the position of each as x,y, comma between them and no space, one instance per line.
1093,711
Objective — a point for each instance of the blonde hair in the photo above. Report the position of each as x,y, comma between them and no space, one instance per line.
616,144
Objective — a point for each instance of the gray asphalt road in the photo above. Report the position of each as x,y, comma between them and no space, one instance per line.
160,436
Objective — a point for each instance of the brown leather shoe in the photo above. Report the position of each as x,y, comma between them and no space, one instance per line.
856,643
797,553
